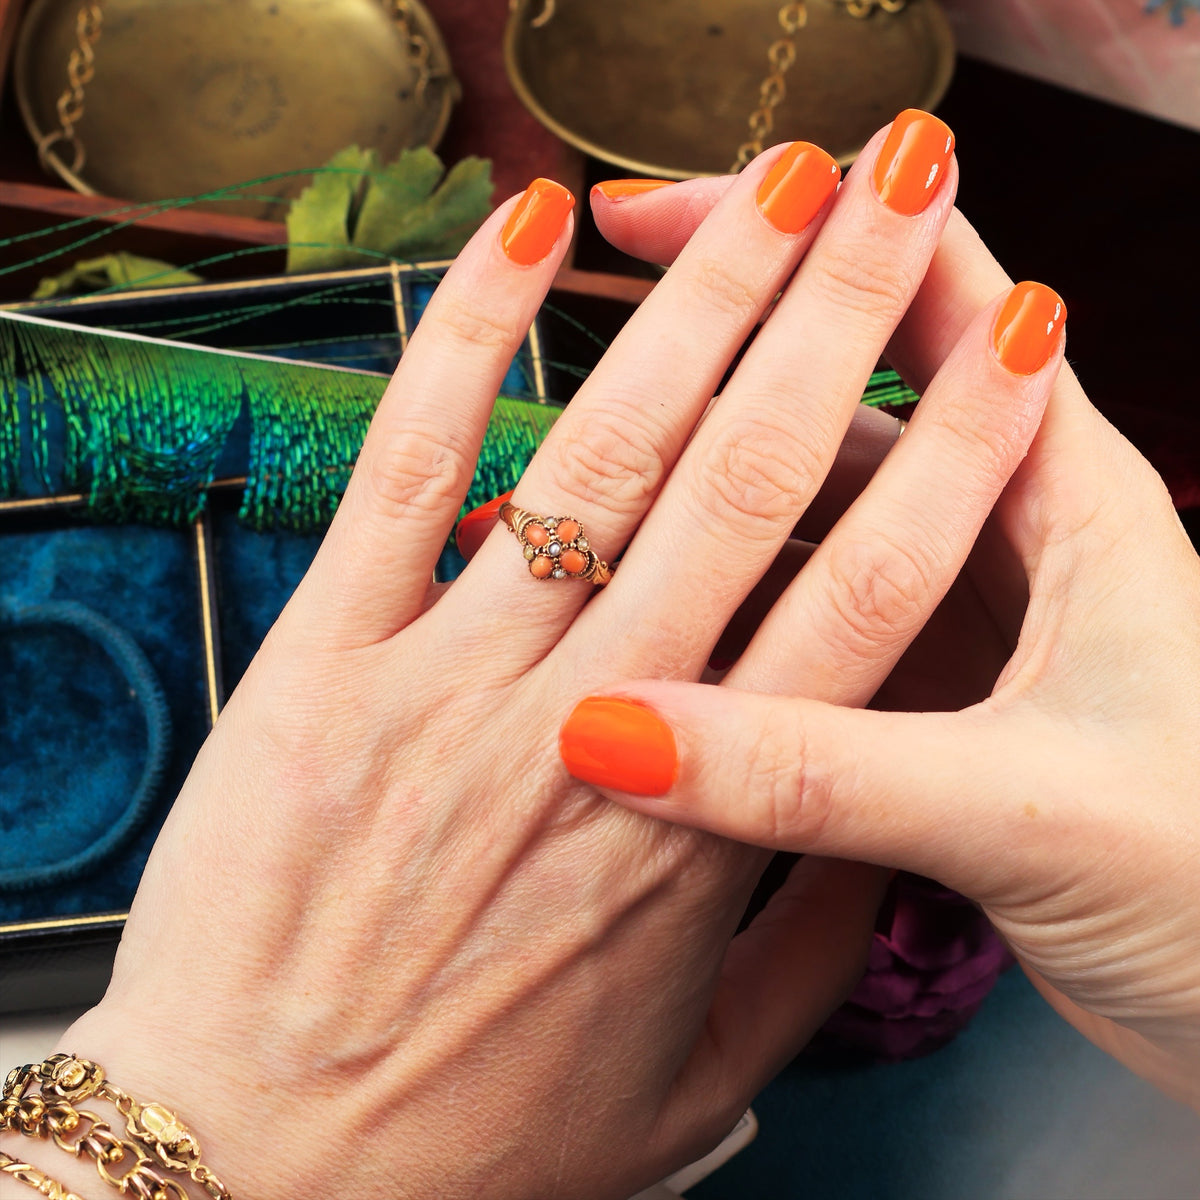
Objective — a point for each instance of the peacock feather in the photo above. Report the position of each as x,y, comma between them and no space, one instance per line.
140,427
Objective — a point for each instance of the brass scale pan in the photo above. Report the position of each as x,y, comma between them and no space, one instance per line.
192,95
666,87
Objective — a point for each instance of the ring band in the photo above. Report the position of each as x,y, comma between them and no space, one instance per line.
554,547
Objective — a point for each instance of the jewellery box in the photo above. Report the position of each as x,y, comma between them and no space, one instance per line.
120,638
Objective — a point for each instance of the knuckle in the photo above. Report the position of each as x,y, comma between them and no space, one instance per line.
613,463
877,592
755,476
796,801
722,291
984,439
858,277
462,321
413,474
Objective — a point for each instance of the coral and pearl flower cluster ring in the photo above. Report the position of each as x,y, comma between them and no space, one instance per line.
555,547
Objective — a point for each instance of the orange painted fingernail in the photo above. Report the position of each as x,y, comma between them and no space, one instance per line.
619,744
485,514
1026,328
912,164
795,188
535,223
623,189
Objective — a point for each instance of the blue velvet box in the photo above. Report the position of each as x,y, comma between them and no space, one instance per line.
116,616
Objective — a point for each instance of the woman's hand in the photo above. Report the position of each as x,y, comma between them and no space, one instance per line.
1067,801
385,944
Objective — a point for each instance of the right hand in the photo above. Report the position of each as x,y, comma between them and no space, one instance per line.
1067,801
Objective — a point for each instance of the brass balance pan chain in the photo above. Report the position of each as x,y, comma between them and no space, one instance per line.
543,18
781,56
81,67
418,46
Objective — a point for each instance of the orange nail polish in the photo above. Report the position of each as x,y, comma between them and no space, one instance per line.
619,744
485,514
623,189
534,224
794,189
912,164
1026,328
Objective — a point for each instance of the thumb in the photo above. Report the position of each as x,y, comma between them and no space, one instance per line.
932,793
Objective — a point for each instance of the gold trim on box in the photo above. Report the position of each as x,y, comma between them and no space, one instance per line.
46,924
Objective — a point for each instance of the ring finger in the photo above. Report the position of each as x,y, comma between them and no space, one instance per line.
605,459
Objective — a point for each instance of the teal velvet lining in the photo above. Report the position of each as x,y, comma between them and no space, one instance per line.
256,573
72,738
68,852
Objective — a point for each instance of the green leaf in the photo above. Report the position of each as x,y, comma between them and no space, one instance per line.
114,270
398,222
356,211
396,189
320,219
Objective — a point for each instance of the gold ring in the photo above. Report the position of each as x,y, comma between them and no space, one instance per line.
555,547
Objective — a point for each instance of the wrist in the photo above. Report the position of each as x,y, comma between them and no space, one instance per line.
218,1092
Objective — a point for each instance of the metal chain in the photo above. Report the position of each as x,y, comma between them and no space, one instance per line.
32,1177
80,70
80,1132
418,45
864,8
543,18
159,1137
781,56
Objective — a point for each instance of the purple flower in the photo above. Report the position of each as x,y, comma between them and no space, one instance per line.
933,960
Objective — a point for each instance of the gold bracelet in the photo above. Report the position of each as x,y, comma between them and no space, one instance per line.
32,1177
159,1137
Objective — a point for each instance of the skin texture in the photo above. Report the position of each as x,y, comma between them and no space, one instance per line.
1058,784
381,914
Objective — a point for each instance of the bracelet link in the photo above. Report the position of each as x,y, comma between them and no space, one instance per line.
131,1167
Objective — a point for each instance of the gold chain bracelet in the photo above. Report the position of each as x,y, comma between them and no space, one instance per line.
159,1139
29,1175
